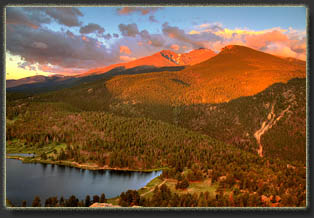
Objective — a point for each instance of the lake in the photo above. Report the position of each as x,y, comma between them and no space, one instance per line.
26,180
21,154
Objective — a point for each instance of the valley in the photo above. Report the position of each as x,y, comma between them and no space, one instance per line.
224,131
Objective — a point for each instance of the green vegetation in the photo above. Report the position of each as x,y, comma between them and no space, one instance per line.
236,122
170,121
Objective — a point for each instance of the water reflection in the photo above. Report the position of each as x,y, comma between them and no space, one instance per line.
22,155
25,181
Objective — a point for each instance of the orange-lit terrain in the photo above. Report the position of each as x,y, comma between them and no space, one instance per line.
198,106
208,123
236,71
163,58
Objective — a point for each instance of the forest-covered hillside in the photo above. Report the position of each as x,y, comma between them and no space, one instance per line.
140,143
201,124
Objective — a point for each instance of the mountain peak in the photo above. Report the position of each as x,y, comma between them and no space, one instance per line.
171,56
234,48
166,51
162,58
243,52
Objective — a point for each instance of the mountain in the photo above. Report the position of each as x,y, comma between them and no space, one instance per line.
234,124
236,71
240,96
57,133
271,123
191,58
35,83
26,80
164,60
195,56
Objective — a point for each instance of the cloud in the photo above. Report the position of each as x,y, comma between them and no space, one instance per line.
92,28
152,19
17,16
131,30
142,10
62,49
84,38
68,16
128,30
47,68
57,69
127,58
298,46
125,49
67,52
70,34
95,28
175,47
153,39
35,16
25,65
193,32
283,50
208,27
196,41
137,45
259,41
39,45
277,41
107,36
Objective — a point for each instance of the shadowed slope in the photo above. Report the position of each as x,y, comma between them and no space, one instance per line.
271,123
164,60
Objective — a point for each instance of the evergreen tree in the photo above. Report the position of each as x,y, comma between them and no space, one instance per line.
87,201
95,198
72,201
103,198
61,202
36,202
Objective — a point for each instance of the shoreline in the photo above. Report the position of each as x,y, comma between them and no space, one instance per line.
112,200
78,165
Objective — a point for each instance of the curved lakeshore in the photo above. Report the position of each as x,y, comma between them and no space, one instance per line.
27,179
78,165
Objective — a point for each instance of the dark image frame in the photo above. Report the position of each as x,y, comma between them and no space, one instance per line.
126,212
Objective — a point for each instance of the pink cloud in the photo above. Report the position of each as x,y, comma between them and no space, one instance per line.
142,10
85,38
45,68
261,40
53,69
277,41
125,49
175,47
284,51
126,58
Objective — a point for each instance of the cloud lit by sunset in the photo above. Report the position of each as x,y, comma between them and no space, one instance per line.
125,49
72,40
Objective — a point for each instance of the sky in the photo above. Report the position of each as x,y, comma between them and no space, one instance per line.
72,40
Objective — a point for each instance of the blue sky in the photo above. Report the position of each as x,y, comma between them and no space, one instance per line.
257,18
75,39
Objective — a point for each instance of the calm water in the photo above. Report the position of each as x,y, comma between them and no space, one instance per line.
21,154
25,181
